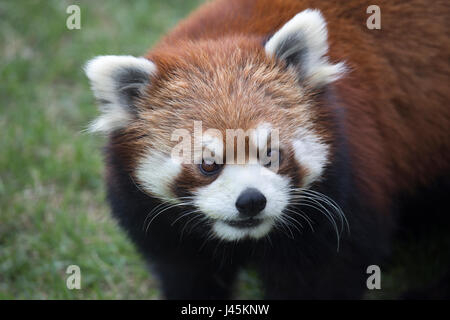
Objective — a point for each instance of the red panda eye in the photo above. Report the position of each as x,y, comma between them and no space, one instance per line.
209,168
275,154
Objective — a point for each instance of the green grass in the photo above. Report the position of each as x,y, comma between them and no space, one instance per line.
52,200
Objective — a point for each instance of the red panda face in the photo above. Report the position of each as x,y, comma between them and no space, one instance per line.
226,129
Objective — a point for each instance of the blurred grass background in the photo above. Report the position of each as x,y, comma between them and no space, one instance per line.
52,200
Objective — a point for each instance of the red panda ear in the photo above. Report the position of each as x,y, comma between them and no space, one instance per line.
117,81
302,43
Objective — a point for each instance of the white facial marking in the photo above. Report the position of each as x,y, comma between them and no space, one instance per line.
312,153
217,200
102,72
156,172
306,35
229,233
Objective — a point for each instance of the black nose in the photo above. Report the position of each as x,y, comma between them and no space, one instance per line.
250,202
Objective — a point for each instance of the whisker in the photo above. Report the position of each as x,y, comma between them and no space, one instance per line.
329,218
328,213
269,240
294,223
283,223
334,205
207,239
186,224
161,205
163,210
312,200
303,216
196,224
184,215
329,201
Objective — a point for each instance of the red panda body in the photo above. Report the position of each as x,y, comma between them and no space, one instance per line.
384,118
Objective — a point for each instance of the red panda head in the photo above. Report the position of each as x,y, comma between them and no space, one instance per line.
227,127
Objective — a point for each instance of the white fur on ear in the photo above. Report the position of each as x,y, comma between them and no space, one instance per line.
116,81
302,42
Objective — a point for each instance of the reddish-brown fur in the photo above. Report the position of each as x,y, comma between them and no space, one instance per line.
396,94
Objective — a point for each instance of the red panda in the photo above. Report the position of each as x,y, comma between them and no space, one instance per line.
357,121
